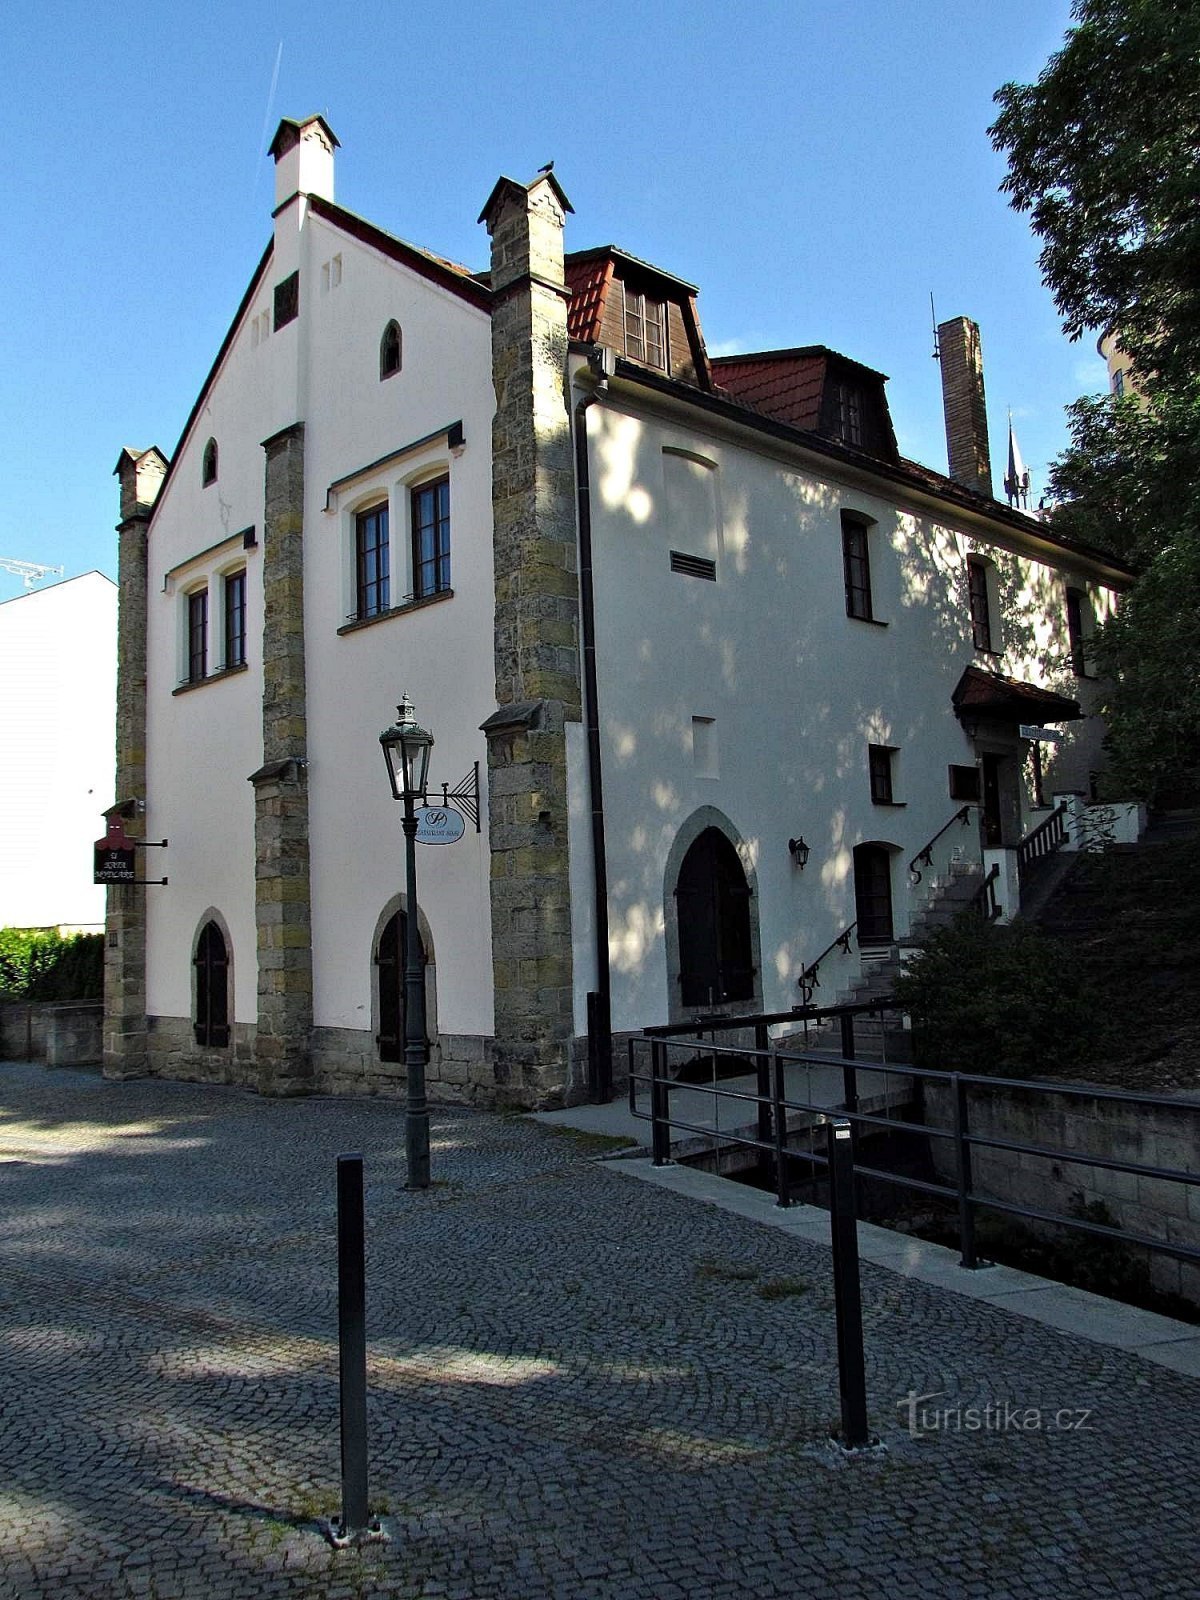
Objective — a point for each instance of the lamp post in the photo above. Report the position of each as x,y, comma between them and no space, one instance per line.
406,746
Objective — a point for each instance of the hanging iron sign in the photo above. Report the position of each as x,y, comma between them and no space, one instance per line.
439,825
114,856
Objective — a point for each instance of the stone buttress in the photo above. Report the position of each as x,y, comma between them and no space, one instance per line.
538,688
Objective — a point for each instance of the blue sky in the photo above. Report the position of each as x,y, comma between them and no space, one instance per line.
817,170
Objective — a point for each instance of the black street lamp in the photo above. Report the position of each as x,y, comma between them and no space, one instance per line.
406,748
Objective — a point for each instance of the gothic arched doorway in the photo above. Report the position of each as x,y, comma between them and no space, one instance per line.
391,957
712,898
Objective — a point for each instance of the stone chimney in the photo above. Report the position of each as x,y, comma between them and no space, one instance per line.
538,685
303,154
963,402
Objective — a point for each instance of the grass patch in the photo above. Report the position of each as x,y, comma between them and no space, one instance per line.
591,1143
781,1288
726,1272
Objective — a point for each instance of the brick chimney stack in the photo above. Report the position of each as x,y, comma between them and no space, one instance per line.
963,402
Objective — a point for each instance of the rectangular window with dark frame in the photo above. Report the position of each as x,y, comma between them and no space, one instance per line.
880,758
197,619
431,538
1075,632
981,615
287,300
964,783
856,563
235,619
372,562
645,329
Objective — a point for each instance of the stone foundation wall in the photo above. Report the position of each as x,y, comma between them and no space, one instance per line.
172,1052
1153,1207
344,1061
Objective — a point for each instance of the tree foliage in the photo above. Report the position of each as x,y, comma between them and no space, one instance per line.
1004,1001
1104,153
41,964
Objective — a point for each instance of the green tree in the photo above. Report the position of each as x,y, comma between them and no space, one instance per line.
1104,153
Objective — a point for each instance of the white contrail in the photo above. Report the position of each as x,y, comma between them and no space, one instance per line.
262,138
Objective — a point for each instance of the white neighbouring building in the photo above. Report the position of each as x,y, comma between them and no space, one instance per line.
680,611
58,694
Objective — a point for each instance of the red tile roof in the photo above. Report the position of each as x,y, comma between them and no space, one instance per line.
787,384
990,693
588,281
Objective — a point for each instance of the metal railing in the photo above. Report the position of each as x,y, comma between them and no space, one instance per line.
808,980
983,902
924,856
771,1104
1047,837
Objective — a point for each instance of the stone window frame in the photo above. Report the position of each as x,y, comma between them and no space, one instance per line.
883,771
983,603
194,634
372,554
286,301
857,529
226,577
207,572
391,352
1080,614
417,562
396,490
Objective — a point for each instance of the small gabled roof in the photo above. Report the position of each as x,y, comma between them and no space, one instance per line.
134,456
512,185
990,694
289,131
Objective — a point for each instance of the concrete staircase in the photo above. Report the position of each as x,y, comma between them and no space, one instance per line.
881,1038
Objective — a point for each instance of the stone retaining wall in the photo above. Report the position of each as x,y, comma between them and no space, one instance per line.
62,1033
1080,1126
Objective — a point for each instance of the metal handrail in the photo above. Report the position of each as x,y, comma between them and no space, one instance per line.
775,1105
983,902
1045,838
808,980
925,854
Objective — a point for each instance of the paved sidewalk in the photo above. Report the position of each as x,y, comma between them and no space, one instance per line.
582,1387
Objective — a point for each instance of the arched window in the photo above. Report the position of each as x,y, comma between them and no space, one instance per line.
392,958
208,471
211,962
712,898
873,894
390,351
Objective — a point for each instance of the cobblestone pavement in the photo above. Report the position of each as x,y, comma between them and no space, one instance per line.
581,1387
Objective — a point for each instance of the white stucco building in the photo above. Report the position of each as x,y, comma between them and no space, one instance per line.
58,691
680,612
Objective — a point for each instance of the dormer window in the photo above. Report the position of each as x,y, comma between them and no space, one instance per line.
848,400
208,469
645,329
390,351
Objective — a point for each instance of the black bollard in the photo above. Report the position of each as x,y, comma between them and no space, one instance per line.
843,1227
352,1346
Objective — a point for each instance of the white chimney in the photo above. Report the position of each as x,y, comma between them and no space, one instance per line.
303,154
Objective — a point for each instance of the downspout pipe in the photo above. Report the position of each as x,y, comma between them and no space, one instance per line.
599,1003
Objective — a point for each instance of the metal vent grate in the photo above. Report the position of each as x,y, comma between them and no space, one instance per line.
693,566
